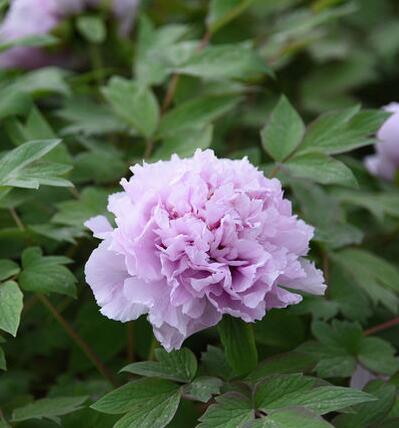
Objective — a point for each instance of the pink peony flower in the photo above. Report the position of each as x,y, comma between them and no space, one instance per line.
195,239
36,17
385,162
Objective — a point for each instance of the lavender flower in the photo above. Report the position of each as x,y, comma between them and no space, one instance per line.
36,17
385,162
195,239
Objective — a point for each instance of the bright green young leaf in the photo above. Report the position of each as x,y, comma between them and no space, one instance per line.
202,388
185,143
231,410
16,169
46,274
8,268
321,168
371,413
221,12
48,408
283,131
134,103
225,62
196,113
136,394
11,304
92,28
291,418
180,366
155,413
238,340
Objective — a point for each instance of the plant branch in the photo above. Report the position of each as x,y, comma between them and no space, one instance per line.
90,354
17,219
383,326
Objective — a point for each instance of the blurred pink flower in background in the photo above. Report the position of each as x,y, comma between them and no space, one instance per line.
385,162
37,17
195,239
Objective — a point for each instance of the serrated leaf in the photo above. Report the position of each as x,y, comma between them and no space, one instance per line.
232,410
378,356
342,131
48,408
13,103
291,418
134,103
180,366
11,304
377,277
238,61
238,341
373,412
46,274
283,131
196,113
14,166
136,393
215,364
320,168
8,268
155,413
202,388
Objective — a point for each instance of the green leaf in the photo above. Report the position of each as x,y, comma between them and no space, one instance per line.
37,40
196,113
92,28
46,274
185,143
321,168
155,413
232,410
202,388
3,364
283,131
290,362
371,413
135,394
13,103
48,408
92,202
11,304
88,118
285,391
215,364
14,169
343,131
238,61
377,277
8,268
180,366
291,418
378,356
134,103
238,340
221,12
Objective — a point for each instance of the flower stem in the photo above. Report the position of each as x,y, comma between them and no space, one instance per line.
383,326
90,354
17,219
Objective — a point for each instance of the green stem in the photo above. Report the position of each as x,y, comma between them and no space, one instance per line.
90,354
17,219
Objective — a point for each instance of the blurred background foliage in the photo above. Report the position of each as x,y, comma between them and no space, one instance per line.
122,100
